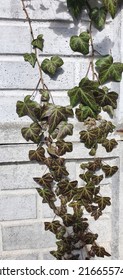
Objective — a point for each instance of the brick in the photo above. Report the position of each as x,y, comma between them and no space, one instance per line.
20,176
18,255
46,9
17,206
14,39
20,75
26,236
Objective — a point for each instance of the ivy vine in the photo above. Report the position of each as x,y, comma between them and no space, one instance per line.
51,124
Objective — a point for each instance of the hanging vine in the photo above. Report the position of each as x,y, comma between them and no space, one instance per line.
50,126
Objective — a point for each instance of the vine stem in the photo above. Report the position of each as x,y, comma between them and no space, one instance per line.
92,48
32,34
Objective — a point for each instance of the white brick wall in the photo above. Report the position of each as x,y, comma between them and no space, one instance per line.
22,214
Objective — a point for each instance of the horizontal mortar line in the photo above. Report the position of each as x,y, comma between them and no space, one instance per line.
40,20
52,20
66,159
32,89
44,55
16,144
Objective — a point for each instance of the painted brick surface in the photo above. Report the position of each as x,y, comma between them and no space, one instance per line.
18,206
22,214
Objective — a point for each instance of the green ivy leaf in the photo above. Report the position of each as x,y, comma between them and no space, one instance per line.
58,169
111,6
95,165
100,251
37,155
64,147
80,226
109,109
50,66
68,220
109,145
103,97
33,133
27,108
98,17
97,179
80,43
109,70
58,255
86,176
83,112
31,58
75,96
60,232
89,238
52,226
88,137
57,115
109,170
45,180
39,42
96,213
62,130
64,186
84,94
47,195
85,192
102,201
75,7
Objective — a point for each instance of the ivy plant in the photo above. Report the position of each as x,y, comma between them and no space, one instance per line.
50,125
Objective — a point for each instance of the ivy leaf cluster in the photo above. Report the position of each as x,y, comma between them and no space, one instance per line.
51,124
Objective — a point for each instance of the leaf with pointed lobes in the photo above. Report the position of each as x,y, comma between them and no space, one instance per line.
57,254
89,137
109,110
52,151
84,94
109,70
99,251
85,192
89,238
58,114
37,155
64,147
111,6
52,226
104,97
62,130
98,17
68,220
50,66
58,169
86,176
31,58
80,43
83,112
45,96
47,195
80,225
38,43
67,188
97,179
75,7
27,108
96,213
102,201
33,133
94,165
109,170
45,180
60,232
109,145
